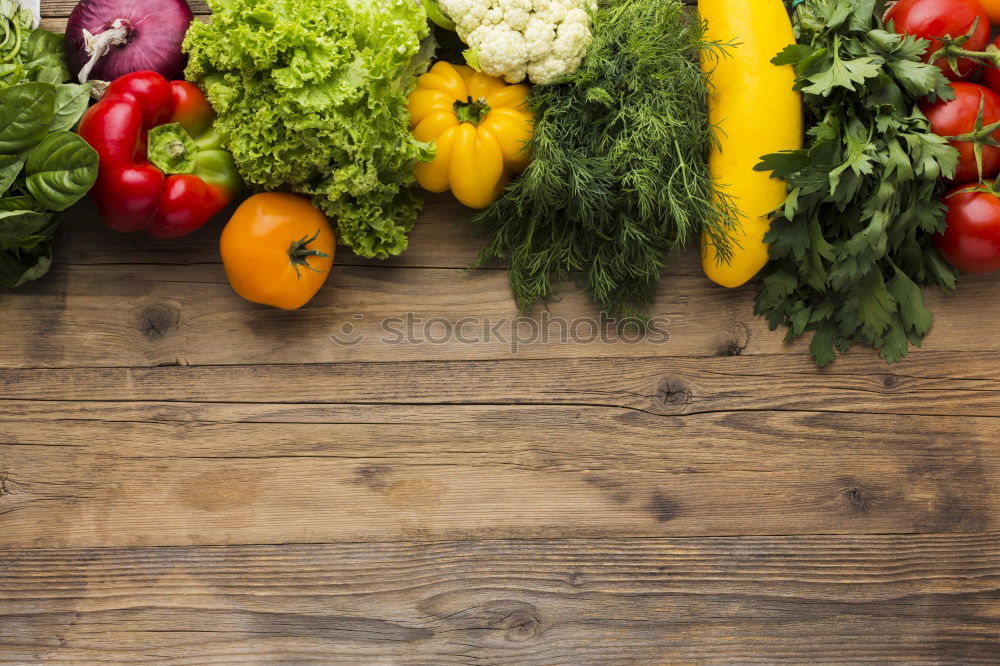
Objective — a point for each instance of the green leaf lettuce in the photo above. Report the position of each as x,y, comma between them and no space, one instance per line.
311,97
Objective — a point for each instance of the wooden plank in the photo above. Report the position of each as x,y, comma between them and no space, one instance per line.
822,599
927,383
135,315
167,473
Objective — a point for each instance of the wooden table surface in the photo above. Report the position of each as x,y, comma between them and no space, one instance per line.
189,478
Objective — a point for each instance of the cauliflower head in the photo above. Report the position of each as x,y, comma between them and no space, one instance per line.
542,40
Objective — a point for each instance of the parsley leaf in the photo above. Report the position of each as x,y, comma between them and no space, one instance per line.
851,245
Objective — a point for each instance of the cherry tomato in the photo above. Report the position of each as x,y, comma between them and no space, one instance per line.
933,19
991,75
277,249
971,241
958,117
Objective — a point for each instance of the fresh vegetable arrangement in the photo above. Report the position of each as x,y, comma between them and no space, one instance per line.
311,98
44,167
618,181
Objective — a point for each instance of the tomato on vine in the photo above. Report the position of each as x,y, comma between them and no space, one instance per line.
971,122
971,239
957,29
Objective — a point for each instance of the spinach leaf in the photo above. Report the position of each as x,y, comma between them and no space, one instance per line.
60,170
17,224
20,266
26,112
43,58
71,102
42,43
10,166
20,202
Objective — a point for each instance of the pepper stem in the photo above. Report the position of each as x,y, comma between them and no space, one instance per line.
299,253
171,149
98,45
471,111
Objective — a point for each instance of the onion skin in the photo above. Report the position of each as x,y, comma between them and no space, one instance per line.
156,29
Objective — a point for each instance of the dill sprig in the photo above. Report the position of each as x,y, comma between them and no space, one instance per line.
618,183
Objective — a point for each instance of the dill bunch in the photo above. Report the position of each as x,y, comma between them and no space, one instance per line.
618,181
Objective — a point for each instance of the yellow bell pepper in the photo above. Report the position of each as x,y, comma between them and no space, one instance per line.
757,112
479,125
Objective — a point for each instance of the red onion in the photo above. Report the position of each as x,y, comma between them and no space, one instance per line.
108,38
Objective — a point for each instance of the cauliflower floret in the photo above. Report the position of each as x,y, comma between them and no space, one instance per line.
499,51
517,13
541,39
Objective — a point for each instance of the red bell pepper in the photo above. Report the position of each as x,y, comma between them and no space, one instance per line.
162,167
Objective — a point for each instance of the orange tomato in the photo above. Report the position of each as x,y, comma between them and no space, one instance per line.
277,250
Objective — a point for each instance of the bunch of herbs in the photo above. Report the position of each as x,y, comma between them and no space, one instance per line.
852,244
618,182
44,167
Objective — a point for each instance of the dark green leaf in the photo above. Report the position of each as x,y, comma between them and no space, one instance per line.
914,314
10,167
18,267
26,111
821,346
15,225
22,202
71,102
60,170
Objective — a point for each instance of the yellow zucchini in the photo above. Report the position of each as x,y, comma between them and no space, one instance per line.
755,112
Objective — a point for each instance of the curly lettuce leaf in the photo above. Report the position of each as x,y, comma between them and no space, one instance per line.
311,97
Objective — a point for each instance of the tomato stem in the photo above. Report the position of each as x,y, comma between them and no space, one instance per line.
299,253
981,135
952,48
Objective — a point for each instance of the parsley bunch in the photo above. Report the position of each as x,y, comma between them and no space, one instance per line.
852,243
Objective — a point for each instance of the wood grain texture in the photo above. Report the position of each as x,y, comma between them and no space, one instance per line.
899,599
927,383
141,314
89,473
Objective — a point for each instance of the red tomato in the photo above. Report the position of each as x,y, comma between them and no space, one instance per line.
971,241
991,75
932,19
957,117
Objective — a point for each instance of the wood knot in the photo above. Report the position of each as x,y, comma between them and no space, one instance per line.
519,620
663,508
372,477
671,393
738,343
858,498
156,321
890,381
